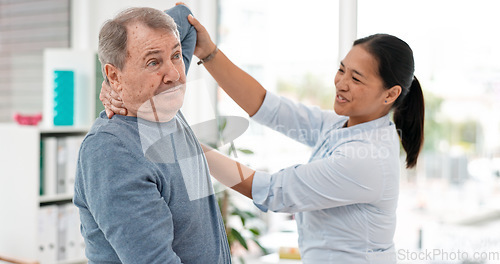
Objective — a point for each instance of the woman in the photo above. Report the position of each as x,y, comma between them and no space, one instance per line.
345,198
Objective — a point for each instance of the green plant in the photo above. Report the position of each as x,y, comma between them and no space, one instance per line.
247,232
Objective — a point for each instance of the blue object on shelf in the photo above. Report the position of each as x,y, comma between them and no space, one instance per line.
64,98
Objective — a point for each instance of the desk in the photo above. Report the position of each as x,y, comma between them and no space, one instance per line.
272,259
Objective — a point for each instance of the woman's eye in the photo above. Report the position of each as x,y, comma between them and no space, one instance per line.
355,79
340,70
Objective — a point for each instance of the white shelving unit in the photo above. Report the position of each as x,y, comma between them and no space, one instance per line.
20,200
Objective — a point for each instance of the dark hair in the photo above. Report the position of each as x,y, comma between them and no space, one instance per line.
396,66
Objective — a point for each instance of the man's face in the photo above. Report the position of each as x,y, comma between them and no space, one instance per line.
152,81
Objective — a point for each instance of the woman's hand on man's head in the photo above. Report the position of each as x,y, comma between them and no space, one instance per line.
204,44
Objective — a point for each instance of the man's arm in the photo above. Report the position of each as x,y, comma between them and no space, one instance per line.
123,196
187,32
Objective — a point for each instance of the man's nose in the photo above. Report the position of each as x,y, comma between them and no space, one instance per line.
170,73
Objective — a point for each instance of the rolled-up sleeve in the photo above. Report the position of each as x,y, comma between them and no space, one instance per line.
260,189
334,181
295,120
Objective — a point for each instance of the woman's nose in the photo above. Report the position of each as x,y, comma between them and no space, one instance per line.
341,83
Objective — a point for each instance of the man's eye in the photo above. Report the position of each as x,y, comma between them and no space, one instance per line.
152,63
177,55
340,70
355,79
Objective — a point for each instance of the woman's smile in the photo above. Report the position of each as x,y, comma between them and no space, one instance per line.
341,99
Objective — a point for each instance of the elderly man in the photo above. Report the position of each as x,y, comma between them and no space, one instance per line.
137,206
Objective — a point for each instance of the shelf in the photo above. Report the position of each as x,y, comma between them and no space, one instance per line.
46,130
64,130
55,198
73,261
20,232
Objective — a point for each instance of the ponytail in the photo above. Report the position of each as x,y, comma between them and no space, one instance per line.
396,66
409,120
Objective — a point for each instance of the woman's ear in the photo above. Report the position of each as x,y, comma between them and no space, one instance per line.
392,94
112,74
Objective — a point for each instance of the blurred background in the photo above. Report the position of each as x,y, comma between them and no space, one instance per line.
449,204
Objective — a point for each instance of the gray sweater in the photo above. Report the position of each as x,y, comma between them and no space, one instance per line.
144,189
145,196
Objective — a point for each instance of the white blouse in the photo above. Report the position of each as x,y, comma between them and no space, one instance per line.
345,198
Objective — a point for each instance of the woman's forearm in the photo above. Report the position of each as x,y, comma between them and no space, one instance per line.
240,86
229,172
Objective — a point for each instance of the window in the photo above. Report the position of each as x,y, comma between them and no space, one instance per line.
451,195
26,28
291,48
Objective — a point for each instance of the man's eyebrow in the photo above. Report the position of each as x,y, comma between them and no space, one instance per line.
151,52
355,71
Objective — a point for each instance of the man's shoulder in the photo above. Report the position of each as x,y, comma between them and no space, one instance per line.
111,134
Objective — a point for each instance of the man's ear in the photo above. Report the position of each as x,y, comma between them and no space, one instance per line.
392,94
113,76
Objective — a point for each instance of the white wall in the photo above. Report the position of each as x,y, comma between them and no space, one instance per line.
348,25
89,15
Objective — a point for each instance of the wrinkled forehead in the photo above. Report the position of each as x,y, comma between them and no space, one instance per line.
140,29
141,37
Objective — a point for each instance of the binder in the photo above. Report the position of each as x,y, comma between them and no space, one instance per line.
74,239
47,234
41,190
73,147
62,160
62,230
64,96
80,242
49,165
